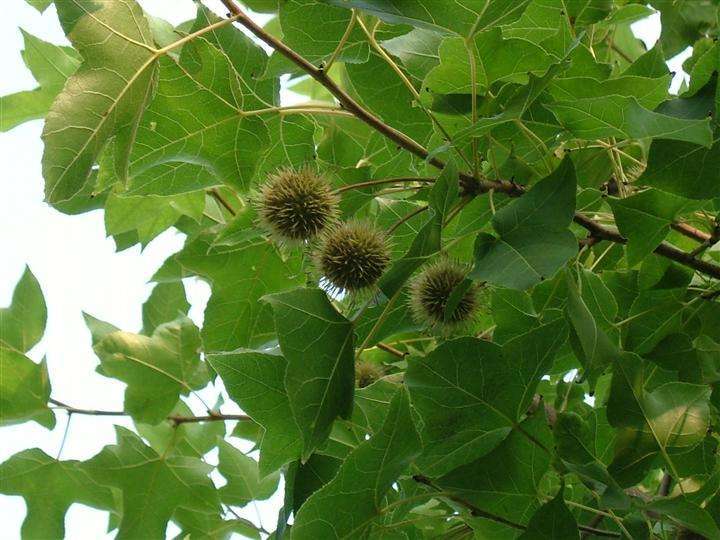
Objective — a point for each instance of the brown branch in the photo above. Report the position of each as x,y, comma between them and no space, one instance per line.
594,522
664,249
215,194
478,512
392,350
691,232
469,184
665,484
175,419
370,183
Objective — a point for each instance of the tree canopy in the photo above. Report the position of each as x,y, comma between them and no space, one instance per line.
464,286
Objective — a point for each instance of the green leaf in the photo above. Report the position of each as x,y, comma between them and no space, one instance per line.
534,240
24,389
255,381
649,92
308,326
304,479
22,324
49,488
40,5
597,351
51,65
675,415
167,302
425,244
296,16
153,486
683,512
619,116
497,59
552,521
234,316
462,17
654,315
104,98
156,369
345,507
470,393
683,169
244,483
198,111
394,105
506,482
644,219
149,216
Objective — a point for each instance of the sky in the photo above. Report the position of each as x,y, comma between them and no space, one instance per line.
79,270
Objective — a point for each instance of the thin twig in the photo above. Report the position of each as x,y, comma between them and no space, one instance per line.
691,232
215,194
369,183
342,42
175,419
392,350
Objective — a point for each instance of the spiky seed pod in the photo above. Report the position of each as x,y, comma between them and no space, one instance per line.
430,292
296,205
353,255
367,373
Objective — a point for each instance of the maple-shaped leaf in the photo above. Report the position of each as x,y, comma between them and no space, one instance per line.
104,98
244,483
156,369
153,486
49,488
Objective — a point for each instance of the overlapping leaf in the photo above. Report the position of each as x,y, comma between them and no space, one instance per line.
156,369
106,95
308,326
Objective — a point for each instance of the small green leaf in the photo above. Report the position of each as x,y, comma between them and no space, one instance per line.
22,324
644,219
683,512
167,302
244,483
24,389
51,65
619,116
552,521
